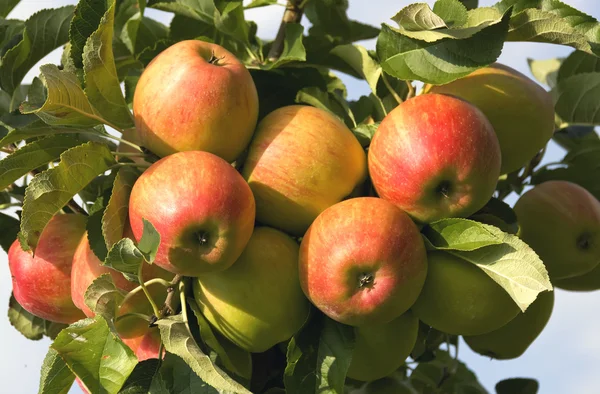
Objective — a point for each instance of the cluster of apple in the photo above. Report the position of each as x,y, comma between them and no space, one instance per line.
304,176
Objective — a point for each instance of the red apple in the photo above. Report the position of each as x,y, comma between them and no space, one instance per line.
202,208
435,156
145,346
42,283
301,161
561,222
87,268
196,96
363,262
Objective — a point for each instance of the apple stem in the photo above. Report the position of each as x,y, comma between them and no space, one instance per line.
292,14
168,308
182,300
411,90
387,84
146,292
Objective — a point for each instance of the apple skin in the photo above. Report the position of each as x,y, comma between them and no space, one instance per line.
435,156
183,102
145,346
202,208
301,161
561,222
362,262
257,302
42,283
459,298
87,268
520,111
590,281
379,350
512,340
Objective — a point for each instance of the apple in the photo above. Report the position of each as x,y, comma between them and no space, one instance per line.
362,262
381,349
435,156
590,281
459,298
201,207
520,111
301,161
42,282
257,302
561,222
145,346
387,385
195,96
512,340
87,268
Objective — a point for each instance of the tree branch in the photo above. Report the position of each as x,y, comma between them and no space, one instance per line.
292,14
168,308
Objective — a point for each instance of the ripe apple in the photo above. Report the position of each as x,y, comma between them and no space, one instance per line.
301,161
42,283
381,349
257,302
362,262
511,340
435,156
561,222
87,268
145,346
520,110
196,96
458,298
201,207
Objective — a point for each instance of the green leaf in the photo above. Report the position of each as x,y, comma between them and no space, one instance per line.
293,48
94,230
40,129
441,60
141,32
114,219
260,3
103,298
513,265
32,156
552,21
364,133
575,173
149,242
326,101
31,326
300,374
573,137
359,59
102,85
578,63
498,213
6,7
96,355
11,32
176,376
575,99
10,229
470,4
125,257
50,190
210,339
140,380
517,386
328,17
66,103
445,374
334,356
56,377
461,234
545,71
178,340
44,31
86,19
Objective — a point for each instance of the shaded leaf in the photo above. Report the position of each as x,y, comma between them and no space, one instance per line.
575,99
176,376
31,326
6,6
141,378
10,229
86,19
125,257
364,133
293,48
56,377
578,63
359,59
334,356
103,298
461,234
114,219
39,129
517,386
300,374
149,242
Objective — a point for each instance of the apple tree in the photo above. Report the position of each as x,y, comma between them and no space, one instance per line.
192,208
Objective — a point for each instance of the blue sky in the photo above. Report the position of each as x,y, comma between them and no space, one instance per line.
564,358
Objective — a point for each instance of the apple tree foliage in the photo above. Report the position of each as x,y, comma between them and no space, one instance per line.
59,134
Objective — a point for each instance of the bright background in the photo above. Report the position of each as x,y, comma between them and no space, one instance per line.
564,359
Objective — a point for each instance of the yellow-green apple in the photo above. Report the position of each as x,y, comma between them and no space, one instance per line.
195,96
458,298
435,156
362,262
42,283
301,161
520,111
561,222
380,349
512,339
201,207
257,302
87,268
589,281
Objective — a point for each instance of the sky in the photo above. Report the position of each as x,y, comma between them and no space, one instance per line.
564,359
